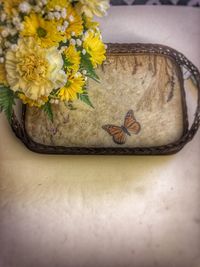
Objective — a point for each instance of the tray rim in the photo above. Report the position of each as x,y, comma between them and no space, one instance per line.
171,148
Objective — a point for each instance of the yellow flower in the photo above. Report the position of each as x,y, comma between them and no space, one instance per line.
72,88
45,32
33,103
3,79
93,7
75,23
73,58
89,24
61,3
11,6
95,48
33,70
73,18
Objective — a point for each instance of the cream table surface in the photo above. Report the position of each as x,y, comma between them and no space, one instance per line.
71,211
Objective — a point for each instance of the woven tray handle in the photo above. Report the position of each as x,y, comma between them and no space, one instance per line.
18,128
183,61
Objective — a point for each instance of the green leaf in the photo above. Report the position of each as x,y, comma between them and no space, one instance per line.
85,98
7,100
63,44
54,92
48,110
86,64
13,39
84,22
2,23
66,62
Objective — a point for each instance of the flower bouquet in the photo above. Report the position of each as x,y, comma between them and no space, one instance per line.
48,50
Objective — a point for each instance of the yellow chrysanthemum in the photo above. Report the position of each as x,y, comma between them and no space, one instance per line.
3,79
11,6
45,32
95,48
93,7
33,70
33,103
72,88
73,58
90,24
61,3
75,23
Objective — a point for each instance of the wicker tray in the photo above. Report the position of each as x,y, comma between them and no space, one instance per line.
140,108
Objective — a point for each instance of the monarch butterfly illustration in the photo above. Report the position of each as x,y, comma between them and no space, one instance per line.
119,133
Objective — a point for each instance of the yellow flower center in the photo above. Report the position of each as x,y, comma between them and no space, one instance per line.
33,67
41,32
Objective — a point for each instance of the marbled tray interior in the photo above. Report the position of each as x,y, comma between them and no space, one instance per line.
147,84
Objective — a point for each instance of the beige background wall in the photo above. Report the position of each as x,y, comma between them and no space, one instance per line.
71,211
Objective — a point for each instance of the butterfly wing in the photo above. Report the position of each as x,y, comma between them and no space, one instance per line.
131,124
118,135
